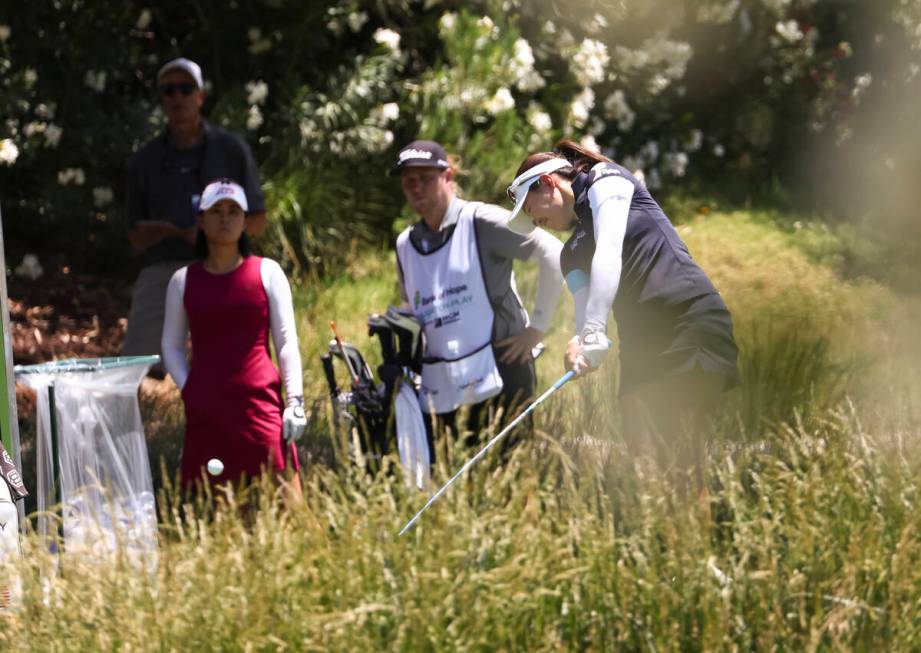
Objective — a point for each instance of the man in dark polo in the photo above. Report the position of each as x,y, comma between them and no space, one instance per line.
165,180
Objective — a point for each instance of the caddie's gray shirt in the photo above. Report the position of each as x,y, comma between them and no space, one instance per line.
498,247
165,183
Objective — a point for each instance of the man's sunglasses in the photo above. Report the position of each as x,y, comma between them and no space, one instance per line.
169,90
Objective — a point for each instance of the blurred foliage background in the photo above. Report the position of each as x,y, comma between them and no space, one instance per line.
807,104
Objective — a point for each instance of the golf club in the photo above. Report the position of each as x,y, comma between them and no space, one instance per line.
556,386
348,362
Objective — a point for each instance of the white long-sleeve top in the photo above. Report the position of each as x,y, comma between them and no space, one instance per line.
609,199
281,323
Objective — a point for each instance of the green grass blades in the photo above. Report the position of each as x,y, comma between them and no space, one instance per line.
810,540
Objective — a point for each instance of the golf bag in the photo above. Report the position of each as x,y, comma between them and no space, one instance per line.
385,413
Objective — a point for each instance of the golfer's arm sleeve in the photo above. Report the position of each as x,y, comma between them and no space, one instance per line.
580,299
284,331
175,330
609,199
549,281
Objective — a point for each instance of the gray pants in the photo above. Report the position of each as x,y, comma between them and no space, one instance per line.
148,305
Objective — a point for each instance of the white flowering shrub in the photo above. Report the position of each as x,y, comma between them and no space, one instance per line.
727,94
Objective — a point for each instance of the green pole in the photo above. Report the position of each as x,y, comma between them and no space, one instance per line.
9,424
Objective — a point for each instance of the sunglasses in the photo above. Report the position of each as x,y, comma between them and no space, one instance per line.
169,90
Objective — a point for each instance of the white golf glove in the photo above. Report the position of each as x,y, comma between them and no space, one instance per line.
294,420
595,346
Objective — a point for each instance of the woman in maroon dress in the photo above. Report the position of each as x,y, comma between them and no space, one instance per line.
230,302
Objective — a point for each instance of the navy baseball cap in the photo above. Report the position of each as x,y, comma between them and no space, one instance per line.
421,154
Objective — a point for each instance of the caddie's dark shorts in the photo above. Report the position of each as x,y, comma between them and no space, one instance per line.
673,340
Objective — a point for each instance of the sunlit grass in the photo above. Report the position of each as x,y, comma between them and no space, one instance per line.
812,539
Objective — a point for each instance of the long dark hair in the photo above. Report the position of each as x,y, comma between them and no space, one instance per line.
580,159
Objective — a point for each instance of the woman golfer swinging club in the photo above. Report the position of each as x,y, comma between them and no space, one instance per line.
677,352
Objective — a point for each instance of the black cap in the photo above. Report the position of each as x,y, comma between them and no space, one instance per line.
421,154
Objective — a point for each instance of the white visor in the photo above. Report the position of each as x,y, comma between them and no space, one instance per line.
518,221
223,189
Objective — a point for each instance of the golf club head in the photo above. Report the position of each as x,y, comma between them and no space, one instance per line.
355,361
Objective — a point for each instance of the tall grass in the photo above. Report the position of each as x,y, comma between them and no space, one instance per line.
812,539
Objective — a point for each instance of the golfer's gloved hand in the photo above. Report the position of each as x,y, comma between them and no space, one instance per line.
595,346
294,420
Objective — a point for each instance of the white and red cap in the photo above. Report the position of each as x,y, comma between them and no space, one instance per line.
518,221
222,189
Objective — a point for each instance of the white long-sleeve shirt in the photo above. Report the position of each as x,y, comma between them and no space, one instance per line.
281,322
609,198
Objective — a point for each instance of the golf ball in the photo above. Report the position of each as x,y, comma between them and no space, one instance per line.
215,467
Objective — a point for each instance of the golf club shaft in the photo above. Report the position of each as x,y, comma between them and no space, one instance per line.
482,452
348,361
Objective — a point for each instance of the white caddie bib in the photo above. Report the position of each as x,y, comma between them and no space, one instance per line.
447,293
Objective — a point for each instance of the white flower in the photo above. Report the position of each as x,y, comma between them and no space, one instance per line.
639,174
95,80
581,107
143,20
254,118
676,163
650,151
4,33
656,51
501,101
29,76
33,128
616,108
653,181
447,22
8,152
44,111
387,38
71,175
102,196
257,92
861,84
658,83
388,112
258,44
539,120
589,62
695,141
30,268
789,30
588,142
717,13
521,68
356,20
486,22
597,23
719,150
335,27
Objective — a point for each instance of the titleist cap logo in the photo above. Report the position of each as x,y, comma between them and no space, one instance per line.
414,154
427,154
